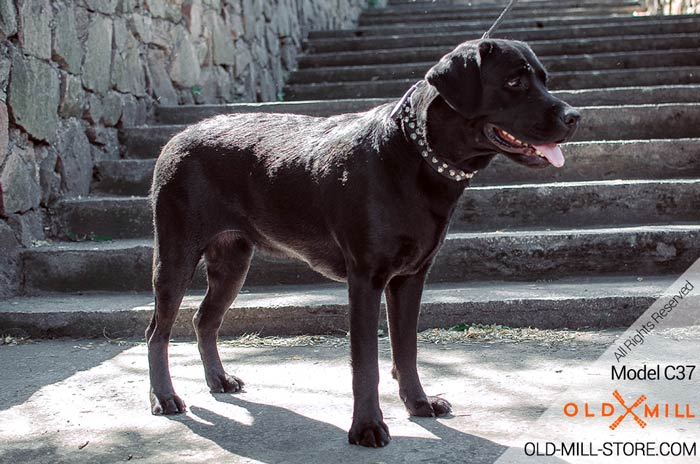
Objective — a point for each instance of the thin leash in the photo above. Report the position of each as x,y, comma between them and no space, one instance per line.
404,114
499,20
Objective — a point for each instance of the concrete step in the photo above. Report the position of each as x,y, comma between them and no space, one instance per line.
469,14
493,3
631,122
637,122
579,31
541,47
585,161
187,114
679,75
491,208
125,265
322,309
122,177
432,6
461,26
553,64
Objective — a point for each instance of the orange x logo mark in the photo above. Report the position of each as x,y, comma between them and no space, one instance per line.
628,410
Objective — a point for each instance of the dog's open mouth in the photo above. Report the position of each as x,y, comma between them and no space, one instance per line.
509,143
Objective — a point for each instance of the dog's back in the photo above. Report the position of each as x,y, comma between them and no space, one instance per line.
276,179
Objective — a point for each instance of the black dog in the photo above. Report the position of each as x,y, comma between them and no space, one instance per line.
364,198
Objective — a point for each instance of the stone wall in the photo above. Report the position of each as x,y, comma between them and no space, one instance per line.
72,72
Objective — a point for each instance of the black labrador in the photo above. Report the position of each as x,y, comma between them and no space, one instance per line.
364,198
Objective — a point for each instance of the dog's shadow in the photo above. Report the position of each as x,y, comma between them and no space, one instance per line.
278,435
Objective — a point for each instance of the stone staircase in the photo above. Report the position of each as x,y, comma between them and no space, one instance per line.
591,244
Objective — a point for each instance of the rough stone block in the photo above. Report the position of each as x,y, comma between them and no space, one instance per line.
260,54
67,48
158,78
127,6
35,27
98,55
184,65
202,51
8,19
235,25
128,73
102,6
272,41
4,134
134,111
216,86
222,43
166,9
9,261
186,96
28,227
111,109
192,12
141,25
72,96
75,162
20,180
34,95
243,58
93,111
268,88
288,54
161,34
49,177
252,14
285,25
5,65
105,143
215,4
120,33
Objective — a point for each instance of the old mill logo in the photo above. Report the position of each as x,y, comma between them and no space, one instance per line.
640,410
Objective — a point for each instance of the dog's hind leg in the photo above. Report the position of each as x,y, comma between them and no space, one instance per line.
403,295
228,258
174,263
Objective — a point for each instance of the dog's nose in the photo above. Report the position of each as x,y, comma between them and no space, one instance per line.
571,117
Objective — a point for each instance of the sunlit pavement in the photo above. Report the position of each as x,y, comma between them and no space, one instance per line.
86,401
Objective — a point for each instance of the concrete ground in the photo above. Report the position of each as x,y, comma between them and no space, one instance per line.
86,401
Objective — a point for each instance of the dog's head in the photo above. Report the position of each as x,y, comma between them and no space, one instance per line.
494,99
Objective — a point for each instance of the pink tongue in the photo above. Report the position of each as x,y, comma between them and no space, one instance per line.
553,154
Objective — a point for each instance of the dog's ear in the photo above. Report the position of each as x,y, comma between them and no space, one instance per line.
457,77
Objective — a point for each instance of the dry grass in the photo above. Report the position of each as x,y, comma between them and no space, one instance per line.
494,333
461,334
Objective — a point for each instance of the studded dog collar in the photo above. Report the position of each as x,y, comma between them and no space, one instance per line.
404,115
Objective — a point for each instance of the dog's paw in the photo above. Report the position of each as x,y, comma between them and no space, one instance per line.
431,406
166,405
224,383
441,406
372,434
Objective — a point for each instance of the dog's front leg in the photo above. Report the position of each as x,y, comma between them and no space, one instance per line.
368,427
403,295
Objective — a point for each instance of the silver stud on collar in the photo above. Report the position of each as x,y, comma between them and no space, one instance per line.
417,134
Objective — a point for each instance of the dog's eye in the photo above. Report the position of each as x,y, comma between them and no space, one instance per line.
514,83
